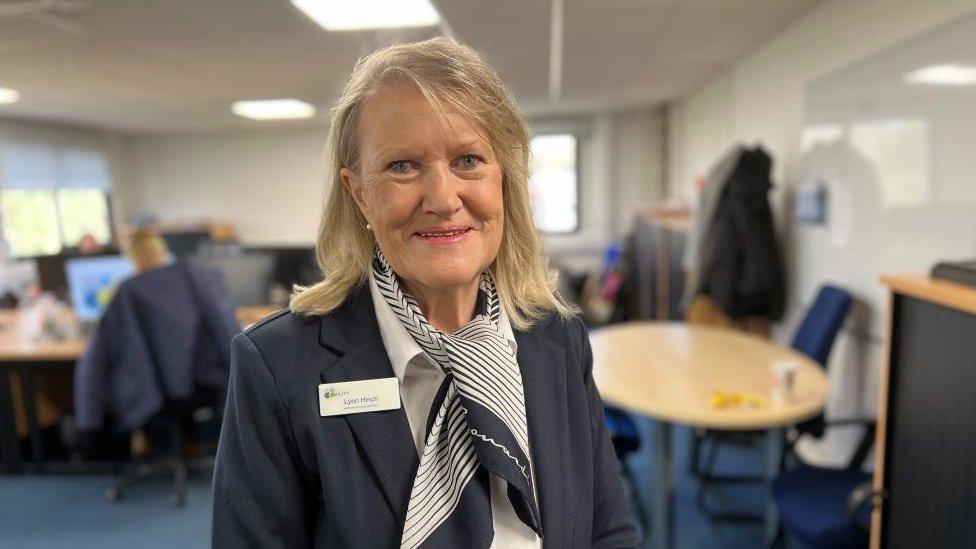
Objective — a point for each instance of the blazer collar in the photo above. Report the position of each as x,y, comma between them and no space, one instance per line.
348,325
352,335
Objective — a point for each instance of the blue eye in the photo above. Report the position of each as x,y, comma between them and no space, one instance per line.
400,166
469,161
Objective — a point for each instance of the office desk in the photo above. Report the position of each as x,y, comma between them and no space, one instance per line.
25,357
668,371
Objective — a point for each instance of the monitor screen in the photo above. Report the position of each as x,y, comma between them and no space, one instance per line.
92,282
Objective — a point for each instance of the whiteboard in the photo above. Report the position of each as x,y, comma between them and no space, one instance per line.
898,159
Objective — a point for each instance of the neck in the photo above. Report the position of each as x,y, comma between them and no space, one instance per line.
447,309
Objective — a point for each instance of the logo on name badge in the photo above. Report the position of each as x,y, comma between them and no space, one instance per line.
332,392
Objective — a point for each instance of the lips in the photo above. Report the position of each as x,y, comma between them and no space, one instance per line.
442,235
442,232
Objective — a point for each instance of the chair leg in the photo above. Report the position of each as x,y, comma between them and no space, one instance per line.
175,464
778,539
707,479
179,482
179,466
142,472
705,474
693,462
642,516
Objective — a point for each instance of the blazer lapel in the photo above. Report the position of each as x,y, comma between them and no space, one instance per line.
352,334
543,366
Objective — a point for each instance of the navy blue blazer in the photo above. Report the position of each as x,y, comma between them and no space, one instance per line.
165,332
286,477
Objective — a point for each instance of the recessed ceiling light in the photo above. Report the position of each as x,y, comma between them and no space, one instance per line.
344,15
949,74
273,109
9,96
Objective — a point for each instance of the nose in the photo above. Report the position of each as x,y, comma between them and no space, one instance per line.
442,192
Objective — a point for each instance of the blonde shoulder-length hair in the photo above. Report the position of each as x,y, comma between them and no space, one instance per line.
452,77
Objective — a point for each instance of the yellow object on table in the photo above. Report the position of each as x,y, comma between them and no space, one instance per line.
721,400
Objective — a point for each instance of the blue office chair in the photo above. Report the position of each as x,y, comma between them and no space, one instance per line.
827,508
626,440
816,334
815,338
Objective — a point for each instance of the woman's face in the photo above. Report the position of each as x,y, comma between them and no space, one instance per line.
432,194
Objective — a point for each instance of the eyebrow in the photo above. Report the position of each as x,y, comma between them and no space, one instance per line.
395,151
468,143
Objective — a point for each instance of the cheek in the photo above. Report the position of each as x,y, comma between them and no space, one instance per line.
488,204
390,205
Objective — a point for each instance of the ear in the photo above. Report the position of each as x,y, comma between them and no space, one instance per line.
354,186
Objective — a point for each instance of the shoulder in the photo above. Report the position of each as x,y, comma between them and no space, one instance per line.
281,340
282,328
569,332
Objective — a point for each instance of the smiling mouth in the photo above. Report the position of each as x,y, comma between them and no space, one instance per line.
447,235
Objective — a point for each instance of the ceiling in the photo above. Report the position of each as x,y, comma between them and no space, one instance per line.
151,66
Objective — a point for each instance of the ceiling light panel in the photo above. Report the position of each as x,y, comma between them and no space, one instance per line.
273,109
949,74
8,96
346,15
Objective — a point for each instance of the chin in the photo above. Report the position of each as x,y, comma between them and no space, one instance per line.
451,274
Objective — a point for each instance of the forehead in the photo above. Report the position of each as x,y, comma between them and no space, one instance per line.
400,116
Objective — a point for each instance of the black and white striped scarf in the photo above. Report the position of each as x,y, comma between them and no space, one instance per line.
480,422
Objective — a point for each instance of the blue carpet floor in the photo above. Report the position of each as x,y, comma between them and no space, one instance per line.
54,512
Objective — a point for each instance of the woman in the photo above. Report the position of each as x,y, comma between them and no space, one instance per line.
433,390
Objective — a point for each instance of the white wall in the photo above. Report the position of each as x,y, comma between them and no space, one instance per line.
267,184
637,166
761,98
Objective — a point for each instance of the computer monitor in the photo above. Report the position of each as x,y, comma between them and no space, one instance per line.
247,276
92,281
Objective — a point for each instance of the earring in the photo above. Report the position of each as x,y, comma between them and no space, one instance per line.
368,227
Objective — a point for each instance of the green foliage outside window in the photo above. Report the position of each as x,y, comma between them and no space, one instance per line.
41,222
84,211
30,222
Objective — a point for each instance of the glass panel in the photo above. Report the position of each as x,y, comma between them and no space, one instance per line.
553,185
84,211
30,222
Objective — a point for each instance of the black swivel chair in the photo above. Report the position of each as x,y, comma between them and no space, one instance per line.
158,362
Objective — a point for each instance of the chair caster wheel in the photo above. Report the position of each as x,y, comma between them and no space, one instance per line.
177,500
113,494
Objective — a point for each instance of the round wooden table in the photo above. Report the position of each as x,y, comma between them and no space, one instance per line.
669,371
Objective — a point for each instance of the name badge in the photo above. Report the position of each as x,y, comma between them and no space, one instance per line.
355,397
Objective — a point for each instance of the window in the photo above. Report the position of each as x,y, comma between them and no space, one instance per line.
30,222
84,211
50,198
554,182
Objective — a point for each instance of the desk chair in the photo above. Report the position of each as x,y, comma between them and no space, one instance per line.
815,338
181,429
828,508
159,355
